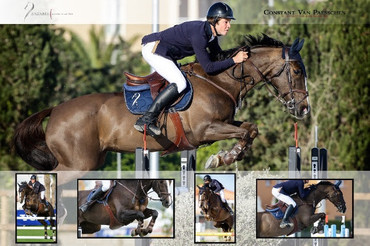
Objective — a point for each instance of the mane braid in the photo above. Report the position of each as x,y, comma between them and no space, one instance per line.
249,42
264,40
324,182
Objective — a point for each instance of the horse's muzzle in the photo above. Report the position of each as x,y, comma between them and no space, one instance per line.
342,208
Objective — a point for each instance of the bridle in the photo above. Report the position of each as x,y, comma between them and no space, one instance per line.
291,104
162,195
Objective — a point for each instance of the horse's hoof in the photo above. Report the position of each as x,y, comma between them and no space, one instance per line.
133,234
215,160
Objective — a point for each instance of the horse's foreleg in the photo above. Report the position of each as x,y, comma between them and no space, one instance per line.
150,213
320,226
246,132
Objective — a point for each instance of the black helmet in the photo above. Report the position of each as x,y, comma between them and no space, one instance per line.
33,177
220,10
207,178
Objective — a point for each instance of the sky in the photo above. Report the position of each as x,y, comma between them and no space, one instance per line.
227,179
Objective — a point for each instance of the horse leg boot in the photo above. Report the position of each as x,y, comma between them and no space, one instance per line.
168,96
98,194
285,222
237,152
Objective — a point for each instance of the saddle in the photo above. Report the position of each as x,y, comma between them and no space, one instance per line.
156,84
278,210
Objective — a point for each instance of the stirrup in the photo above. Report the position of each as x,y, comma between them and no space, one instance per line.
151,128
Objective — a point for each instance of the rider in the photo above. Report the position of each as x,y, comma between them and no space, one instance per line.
37,187
282,192
162,49
217,188
97,194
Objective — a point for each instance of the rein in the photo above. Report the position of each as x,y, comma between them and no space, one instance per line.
290,104
140,184
192,73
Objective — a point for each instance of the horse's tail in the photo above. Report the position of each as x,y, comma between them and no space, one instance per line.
29,142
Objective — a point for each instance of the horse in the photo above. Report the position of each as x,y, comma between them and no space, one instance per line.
212,208
127,201
33,206
81,131
268,225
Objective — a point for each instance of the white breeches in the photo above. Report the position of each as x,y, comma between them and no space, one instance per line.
287,199
42,195
222,195
165,67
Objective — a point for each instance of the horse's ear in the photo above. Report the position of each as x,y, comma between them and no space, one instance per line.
337,183
296,47
300,45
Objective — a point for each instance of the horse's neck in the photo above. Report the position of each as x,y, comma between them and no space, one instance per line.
315,196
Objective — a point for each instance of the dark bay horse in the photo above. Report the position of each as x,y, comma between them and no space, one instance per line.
212,208
127,202
268,226
81,131
33,206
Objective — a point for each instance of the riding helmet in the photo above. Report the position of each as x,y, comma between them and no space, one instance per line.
33,177
220,10
207,178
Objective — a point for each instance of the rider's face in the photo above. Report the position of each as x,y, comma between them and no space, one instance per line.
223,26
33,181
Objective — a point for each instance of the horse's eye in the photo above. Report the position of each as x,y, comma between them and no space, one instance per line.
298,71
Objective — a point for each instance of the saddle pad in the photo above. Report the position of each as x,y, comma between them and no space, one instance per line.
138,98
276,212
279,214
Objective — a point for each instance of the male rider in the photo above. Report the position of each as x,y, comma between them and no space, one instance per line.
218,189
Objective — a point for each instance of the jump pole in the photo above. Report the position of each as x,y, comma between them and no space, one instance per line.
294,168
319,167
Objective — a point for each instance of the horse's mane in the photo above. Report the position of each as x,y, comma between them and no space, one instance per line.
250,42
324,182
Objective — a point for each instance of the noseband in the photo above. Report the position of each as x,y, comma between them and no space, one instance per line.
289,104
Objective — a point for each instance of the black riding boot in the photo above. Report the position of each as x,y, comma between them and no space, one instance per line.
285,222
46,205
168,96
97,195
228,208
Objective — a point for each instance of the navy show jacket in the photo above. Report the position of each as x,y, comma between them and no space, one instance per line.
37,187
215,185
293,186
187,39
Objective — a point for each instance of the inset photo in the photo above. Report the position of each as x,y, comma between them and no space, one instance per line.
126,208
36,220
303,208
214,208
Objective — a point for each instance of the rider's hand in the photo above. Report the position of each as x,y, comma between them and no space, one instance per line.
240,57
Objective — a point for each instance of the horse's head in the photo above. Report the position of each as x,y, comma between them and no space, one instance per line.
22,190
280,68
334,195
161,188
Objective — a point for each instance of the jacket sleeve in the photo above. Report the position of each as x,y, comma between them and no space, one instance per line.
200,50
302,192
217,185
36,187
